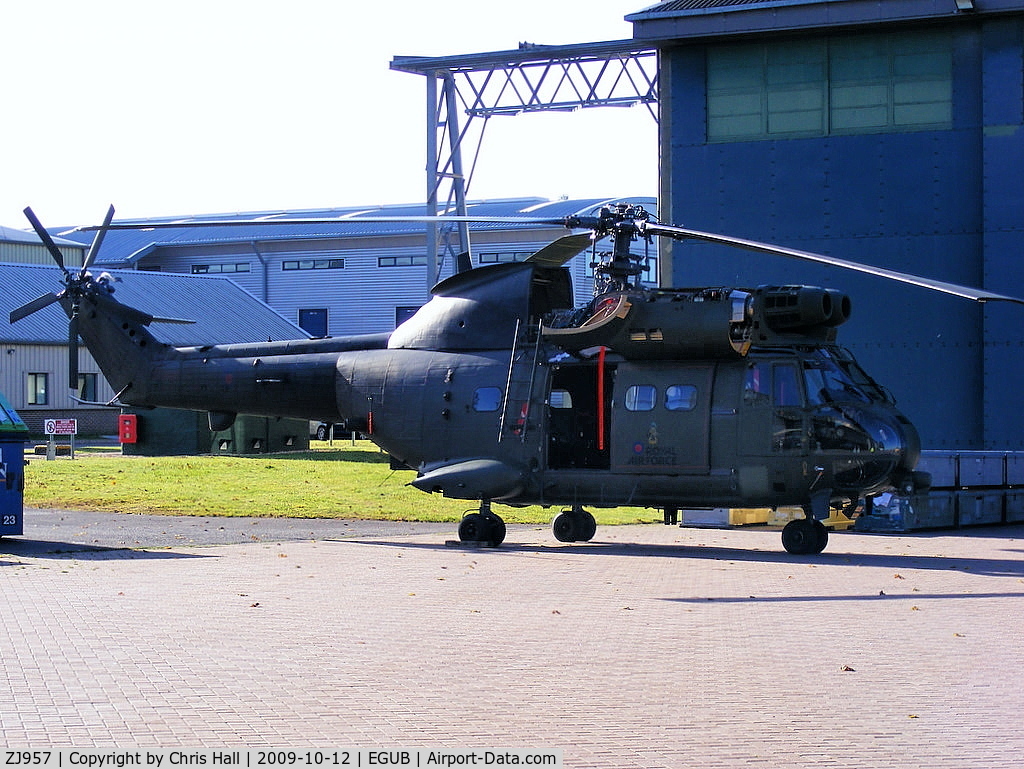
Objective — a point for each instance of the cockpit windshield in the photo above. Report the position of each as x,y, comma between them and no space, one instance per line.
833,375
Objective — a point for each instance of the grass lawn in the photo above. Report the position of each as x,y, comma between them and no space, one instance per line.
326,482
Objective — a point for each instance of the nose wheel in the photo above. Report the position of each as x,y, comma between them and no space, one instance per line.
807,536
484,527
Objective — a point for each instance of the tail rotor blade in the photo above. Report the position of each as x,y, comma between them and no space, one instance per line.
35,305
94,249
44,236
73,353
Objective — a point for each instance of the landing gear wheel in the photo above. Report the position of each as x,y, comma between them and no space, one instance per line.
574,526
564,527
496,528
588,527
472,528
482,527
804,537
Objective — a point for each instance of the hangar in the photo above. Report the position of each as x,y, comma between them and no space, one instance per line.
884,132
352,277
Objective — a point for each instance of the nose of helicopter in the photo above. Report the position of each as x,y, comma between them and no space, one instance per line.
882,448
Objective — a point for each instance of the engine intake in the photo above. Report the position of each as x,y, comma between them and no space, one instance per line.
802,307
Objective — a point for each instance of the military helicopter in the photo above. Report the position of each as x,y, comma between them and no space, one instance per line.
499,390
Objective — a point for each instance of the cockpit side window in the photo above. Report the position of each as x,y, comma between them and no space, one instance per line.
757,384
786,386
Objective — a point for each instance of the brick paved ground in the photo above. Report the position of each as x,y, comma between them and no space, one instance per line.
650,647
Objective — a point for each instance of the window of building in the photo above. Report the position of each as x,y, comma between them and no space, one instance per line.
217,269
402,261
860,84
87,387
313,264
508,256
641,397
38,389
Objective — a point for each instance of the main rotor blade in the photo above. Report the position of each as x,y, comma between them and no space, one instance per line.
37,304
560,251
966,292
188,223
44,236
94,249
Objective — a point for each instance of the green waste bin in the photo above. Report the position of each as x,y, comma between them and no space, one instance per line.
13,434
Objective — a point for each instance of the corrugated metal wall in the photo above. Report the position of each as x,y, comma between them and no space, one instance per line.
18,361
363,296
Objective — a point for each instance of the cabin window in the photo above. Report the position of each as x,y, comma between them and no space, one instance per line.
560,399
641,397
38,389
486,399
681,398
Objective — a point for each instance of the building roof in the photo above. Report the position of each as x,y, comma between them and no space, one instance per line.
11,235
223,312
684,19
125,247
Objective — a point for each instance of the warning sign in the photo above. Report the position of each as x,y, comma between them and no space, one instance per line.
61,427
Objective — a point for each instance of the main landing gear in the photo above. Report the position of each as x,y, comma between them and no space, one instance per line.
576,525
484,527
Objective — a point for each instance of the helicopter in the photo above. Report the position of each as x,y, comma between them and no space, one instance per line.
500,390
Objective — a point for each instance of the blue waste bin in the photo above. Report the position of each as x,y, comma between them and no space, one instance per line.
13,434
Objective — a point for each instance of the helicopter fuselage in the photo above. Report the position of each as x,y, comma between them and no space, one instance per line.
693,402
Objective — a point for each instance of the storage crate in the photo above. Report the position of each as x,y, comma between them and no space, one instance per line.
934,510
981,468
740,516
715,517
941,465
1015,468
1014,506
979,507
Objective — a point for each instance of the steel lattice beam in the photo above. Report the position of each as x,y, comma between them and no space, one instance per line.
533,78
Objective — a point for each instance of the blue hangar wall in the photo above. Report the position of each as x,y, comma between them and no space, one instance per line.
944,201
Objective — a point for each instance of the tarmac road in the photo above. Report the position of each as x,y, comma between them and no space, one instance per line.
68,531
648,647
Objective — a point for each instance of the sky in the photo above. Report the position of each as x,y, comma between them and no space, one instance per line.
214,106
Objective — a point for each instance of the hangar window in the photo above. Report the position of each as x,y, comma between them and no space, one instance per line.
38,389
401,261
216,269
87,387
313,264
861,84
494,258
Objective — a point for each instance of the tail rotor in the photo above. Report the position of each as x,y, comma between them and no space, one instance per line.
75,287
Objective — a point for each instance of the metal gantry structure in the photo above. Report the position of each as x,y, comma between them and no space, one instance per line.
464,92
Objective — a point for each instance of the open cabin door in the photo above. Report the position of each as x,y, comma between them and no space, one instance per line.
661,418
